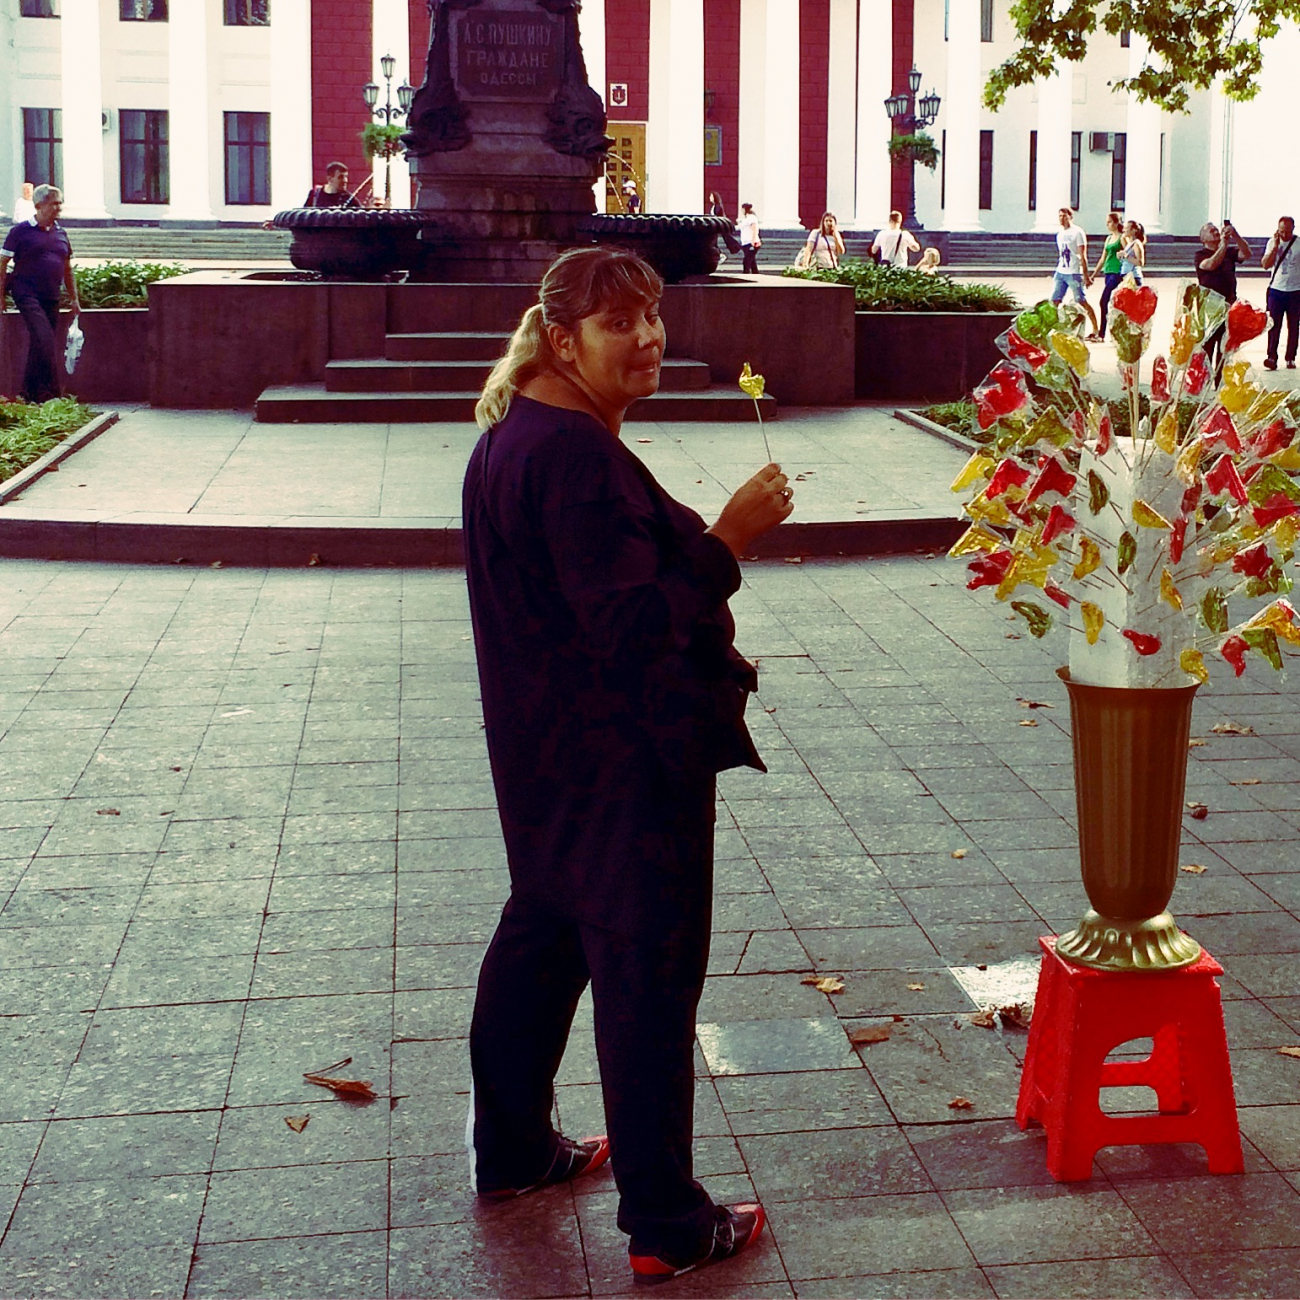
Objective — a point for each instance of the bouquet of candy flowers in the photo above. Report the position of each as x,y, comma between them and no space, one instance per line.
1137,541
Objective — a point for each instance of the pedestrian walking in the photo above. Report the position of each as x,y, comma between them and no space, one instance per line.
1217,259
825,245
1109,265
892,245
631,198
750,242
612,695
1072,273
1133,254
1283,265
42,256
929,263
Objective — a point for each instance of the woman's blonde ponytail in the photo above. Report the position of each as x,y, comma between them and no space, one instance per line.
525,355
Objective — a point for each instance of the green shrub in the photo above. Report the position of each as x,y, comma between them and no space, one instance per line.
121,284
27,432
957,416
895,288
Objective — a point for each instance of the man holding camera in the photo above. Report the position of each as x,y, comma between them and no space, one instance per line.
1221,252
1283,263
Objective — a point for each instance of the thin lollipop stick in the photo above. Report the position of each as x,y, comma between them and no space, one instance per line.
767,449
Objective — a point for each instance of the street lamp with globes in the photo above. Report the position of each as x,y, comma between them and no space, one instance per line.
909,114
388,112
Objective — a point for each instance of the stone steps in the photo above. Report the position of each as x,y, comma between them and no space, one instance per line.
386,376
163,244
315,404
462,345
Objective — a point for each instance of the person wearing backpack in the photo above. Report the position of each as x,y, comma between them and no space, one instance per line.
1283,263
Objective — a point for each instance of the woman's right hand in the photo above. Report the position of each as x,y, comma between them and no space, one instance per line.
755,506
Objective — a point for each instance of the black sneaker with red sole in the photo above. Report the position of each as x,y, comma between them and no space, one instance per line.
736,1227
572,1160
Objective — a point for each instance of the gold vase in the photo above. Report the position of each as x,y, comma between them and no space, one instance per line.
1130,774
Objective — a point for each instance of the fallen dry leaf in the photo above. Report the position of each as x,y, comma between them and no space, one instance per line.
358,1088
1196,744
985,1017
1197,810
961,1103
1233,729
916,988
1033,704
1289,1051
870,1034
297,1122
1029,722
1192,868
1249,780
794,559
959,853
1013,636
824,983
1017,1013
108,812
645,440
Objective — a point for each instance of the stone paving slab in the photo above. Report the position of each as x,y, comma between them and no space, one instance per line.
246,830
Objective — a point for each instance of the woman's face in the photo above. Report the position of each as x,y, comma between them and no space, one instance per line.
1130,230
828,224
617,352
1114,224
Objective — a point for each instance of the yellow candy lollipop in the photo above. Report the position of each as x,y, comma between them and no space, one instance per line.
1168,592
978,467
1148,517
1288,458
1266,405
750,383
1188,459
1093,621
1285,533
1073,351
982,510
1091,557
1192,663
1279,618
1186,335
976,538
1167,433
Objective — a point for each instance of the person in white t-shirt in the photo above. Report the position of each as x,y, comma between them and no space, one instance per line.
24,207
1072,272
893,244
1282,261
750,243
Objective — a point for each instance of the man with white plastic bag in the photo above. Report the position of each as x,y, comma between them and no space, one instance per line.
42,256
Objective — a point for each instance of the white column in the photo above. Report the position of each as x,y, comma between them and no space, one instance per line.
291,177
591,28
1055,122
749,145
11,163
675,135
875,70
780,202
83,103
391,35
841,109
189,112
962,115
1142,165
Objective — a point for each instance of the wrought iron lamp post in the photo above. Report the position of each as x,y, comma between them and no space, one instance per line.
909,114
388,113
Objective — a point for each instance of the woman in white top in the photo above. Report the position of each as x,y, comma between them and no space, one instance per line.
825,245
893,244
750,243
1133,255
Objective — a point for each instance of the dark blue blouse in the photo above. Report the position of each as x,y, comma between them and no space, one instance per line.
40,258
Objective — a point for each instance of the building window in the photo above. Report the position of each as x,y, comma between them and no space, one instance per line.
43,146
986,20
1076,166
986,169
142,11
38,9
248,157
144,176
943,168
1033,170
248,13
1118,168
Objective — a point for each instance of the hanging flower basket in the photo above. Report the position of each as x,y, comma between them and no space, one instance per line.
919,148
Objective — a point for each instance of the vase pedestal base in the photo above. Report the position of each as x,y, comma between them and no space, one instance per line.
1153,944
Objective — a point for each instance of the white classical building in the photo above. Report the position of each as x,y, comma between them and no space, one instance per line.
227,110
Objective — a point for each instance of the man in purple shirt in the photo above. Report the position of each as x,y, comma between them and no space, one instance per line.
42,256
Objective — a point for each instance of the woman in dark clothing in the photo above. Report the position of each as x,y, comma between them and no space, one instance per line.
612,697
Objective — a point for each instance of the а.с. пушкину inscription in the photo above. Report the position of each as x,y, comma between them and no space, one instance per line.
507,55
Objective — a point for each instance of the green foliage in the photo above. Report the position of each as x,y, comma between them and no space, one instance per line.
957,416
27,432
1191,45
914,148
894,288
380,141
121,284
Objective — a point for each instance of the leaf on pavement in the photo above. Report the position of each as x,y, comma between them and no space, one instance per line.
1196,744
359,1089
1028,722
824,983
1033,704
870,1034
961,1103
1289,1051
1249,780
959,853
985,1017
1199,811
916,988
108,812
1233,729
297,1122
1192,868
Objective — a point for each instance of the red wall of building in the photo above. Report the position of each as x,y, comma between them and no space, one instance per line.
904,24
417,19
340,65
627,56
814,92
722,77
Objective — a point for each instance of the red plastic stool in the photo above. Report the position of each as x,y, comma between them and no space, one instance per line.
1081,1015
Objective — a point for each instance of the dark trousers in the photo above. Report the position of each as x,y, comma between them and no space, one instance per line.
1113,279
749,258
1283,306
645,990
1213,345
41,379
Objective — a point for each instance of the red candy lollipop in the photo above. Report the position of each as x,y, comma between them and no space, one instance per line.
1244,323
1139,305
